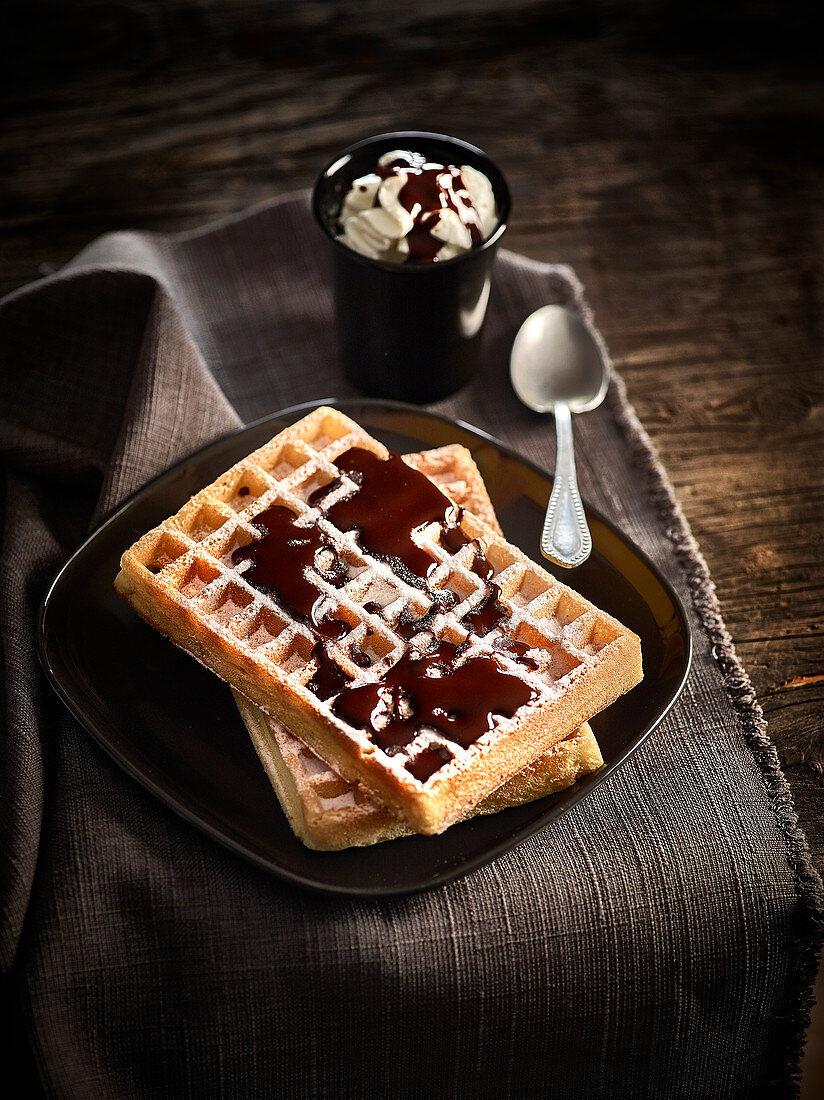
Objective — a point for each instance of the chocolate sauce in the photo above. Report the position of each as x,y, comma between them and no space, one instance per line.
334,571
428,191
392,500
423,245
428,761
328,627
452,538
329,677
281,562
425,194
430,690
480,566
323,492
360,658
408,625
489,613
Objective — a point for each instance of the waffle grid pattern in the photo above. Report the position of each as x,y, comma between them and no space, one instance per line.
192,559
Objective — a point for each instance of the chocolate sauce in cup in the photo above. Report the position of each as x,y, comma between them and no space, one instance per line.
413,220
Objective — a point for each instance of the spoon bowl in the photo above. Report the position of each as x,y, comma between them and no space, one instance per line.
555,358
557,366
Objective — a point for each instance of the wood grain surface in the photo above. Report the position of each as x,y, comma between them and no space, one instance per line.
672,156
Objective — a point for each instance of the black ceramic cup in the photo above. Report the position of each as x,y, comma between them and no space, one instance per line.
408,331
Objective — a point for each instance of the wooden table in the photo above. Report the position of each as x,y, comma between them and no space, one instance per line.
673,159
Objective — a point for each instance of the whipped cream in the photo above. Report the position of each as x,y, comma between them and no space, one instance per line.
412,210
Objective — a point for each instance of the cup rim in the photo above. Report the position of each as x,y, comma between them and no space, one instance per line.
503,198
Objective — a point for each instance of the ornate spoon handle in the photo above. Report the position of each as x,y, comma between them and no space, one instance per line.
566,539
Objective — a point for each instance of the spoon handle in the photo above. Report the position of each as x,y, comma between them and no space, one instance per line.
566,539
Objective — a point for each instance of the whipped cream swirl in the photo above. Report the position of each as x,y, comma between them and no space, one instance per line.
412,210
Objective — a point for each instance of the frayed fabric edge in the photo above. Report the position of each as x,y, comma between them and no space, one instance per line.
810,934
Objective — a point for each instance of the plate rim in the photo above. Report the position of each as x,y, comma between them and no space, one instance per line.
464,867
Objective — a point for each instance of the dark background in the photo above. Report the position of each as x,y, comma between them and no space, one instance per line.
672,154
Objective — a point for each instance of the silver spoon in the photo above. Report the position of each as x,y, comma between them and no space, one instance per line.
556,366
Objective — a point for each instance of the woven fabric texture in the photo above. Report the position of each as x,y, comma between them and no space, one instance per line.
655,942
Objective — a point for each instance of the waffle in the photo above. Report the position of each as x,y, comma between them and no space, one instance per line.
328,813
345,595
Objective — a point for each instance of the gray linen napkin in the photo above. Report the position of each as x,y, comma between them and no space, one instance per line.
657,941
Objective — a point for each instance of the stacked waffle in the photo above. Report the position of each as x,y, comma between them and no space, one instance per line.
328,812
399,665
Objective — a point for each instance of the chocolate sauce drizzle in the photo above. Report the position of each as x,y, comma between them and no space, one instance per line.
428,761
490,612
430,691
389,502
282,560
329,678
488,615
453,538
432,686
429,190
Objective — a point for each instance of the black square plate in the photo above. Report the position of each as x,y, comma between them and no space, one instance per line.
174,727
